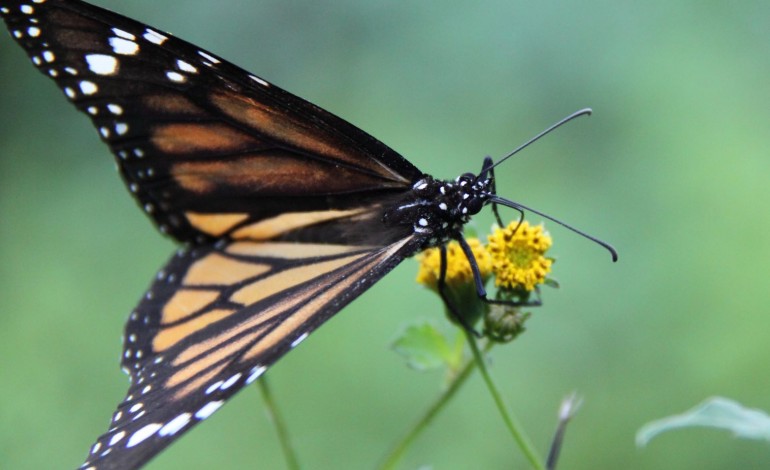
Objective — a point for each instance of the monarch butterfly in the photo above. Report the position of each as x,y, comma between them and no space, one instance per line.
285,212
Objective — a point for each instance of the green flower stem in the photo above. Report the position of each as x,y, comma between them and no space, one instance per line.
510,421
454,384
280,427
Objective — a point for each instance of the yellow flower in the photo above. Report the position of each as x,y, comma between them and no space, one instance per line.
458,270
518,255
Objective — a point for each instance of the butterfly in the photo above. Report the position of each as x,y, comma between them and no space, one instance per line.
284,212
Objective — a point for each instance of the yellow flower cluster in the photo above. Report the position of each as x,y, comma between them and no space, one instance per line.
515,255
458,270
518,255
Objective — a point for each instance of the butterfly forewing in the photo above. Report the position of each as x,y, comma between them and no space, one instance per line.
193,133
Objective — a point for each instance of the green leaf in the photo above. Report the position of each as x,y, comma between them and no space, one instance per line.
424,347
717,412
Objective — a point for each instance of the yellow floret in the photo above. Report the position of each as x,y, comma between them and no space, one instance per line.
517,253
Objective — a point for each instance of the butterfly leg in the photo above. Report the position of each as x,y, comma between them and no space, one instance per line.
481,291
442,291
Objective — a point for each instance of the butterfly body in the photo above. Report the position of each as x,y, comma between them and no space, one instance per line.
285,213
437,210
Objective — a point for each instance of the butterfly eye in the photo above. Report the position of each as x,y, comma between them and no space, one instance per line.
475,203
466,178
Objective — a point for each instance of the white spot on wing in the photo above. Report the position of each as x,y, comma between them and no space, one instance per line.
259,80
27,10
231,381
122,34
48,56
88,88
154,37
117,437
123,46
301,338
209,57
115,109
102,64
176,77
173,426
213,387
185,67
143,434
121,128
255,373
208,409
33,31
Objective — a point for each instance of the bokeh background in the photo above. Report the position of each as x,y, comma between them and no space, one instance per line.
673,169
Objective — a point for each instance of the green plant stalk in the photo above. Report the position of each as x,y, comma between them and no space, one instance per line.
280,426
457,379
510,421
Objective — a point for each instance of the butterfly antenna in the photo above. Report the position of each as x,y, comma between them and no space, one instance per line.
519,207
576,114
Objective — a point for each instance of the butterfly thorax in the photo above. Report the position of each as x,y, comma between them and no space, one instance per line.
437,210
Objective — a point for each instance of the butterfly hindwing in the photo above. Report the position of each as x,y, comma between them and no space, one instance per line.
214,320
194,133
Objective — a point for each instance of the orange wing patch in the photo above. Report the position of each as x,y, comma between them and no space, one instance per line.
218,270
280,224
288,250
186,302
214,224
186,139
172,104
268,172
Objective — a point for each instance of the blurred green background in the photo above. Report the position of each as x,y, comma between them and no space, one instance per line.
673,169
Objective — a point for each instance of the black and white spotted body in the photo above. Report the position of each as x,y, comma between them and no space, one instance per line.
439,209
